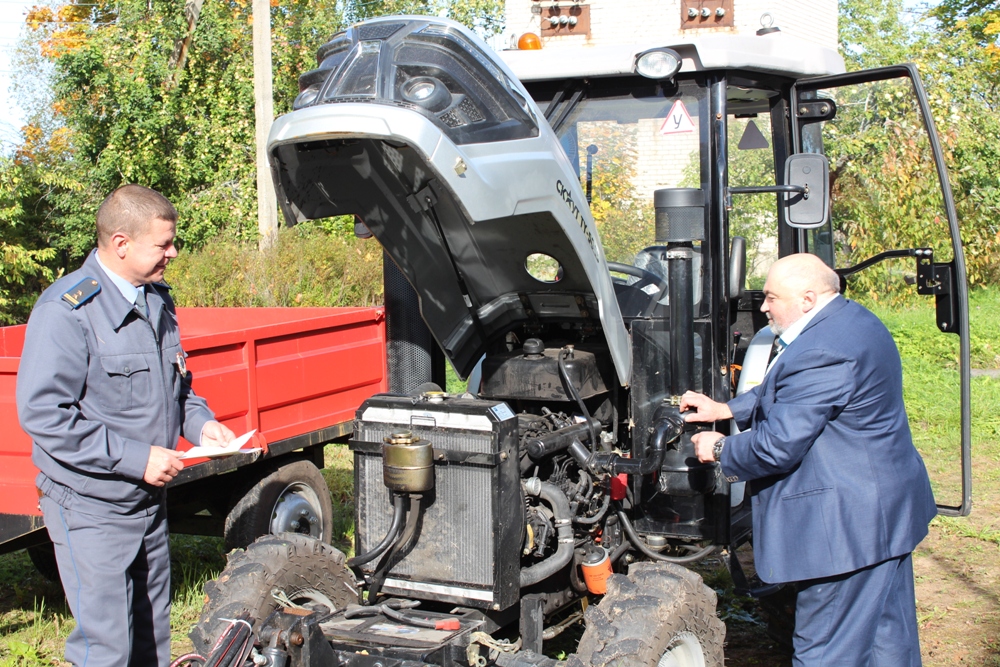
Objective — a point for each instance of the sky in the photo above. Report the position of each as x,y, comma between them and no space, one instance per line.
11,23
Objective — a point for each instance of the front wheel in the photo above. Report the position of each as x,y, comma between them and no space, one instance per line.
302,569
660,615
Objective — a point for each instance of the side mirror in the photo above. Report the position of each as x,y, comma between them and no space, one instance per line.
737,267
809,206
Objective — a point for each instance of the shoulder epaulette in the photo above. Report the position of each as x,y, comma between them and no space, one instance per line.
82,292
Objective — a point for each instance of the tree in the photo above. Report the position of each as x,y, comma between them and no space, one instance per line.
160,92
885,196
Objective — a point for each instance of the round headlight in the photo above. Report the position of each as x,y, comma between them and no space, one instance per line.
427,92
420,90
658,64
306,97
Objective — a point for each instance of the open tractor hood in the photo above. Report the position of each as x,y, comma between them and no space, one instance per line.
416,127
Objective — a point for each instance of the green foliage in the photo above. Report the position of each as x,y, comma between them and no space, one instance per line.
484,16
305,267
884,193
624,219
24,267
125,107
980,18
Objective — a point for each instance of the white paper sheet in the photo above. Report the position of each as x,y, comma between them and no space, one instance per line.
215,452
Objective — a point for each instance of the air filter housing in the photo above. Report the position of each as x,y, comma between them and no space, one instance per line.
680,215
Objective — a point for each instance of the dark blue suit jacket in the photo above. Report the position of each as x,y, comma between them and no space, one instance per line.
837,484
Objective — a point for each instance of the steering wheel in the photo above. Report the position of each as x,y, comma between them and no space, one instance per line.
650,285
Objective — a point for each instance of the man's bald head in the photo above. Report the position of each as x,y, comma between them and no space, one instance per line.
804,271
795,285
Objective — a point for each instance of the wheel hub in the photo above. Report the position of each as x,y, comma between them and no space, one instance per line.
683,651
297,511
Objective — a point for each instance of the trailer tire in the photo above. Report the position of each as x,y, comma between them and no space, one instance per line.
308,571
292,498
43,557
661,614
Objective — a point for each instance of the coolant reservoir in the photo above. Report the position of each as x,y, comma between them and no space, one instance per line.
407,463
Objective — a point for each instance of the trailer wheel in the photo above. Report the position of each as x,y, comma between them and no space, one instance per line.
43,557
312,574
660,615
292,498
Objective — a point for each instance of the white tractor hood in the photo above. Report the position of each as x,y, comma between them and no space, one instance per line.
416,127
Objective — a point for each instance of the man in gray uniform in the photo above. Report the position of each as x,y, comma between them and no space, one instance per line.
103,392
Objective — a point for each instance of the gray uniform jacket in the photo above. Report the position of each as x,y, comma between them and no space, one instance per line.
97,386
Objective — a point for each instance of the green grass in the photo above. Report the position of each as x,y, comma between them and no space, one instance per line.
931,385
34,620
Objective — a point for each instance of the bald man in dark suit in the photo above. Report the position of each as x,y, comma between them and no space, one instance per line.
840,495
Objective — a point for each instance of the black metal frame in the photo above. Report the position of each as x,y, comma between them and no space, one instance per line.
948,279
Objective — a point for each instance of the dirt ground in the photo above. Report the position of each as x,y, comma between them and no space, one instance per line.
957,572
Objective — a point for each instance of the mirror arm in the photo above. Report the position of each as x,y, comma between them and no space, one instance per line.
761,189
882,256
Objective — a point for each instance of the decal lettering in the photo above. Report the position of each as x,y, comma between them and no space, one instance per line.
575,211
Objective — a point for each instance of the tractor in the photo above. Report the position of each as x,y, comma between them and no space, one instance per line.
560,485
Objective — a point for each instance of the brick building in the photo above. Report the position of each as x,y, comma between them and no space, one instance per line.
637,21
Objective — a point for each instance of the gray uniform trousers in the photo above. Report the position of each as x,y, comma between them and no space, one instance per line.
116,575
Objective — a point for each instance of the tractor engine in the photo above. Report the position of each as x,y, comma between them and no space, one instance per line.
500,502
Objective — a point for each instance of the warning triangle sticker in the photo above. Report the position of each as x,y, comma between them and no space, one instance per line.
678,121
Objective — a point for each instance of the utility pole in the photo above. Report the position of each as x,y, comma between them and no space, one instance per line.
267,216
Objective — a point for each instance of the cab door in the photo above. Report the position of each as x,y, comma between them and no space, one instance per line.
893,236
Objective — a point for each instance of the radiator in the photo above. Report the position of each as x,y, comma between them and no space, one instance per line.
467,548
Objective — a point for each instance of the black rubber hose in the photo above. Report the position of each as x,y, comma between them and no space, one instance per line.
564,374
587,521
649,553
388,561
564,533
668,425
619,551
398,512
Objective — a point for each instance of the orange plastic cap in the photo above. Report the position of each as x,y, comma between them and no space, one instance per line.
529,41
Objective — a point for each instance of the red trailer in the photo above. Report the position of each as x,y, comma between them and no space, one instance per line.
297,375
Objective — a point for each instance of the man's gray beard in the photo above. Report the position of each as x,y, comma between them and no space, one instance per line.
776,329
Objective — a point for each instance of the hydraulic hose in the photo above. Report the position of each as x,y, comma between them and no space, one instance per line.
399,511
587,521
649,553
556,499
388,561
668,425
575,395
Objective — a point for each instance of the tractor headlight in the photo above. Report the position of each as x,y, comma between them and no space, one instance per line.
427,92
432,68
658,64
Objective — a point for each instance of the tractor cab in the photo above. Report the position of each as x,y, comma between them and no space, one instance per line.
742,149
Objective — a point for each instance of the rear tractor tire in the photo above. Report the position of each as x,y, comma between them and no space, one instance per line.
660,615
312,574
292,498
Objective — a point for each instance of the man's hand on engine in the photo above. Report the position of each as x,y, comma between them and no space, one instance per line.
705,409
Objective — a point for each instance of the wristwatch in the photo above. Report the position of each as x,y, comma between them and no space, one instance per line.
717,448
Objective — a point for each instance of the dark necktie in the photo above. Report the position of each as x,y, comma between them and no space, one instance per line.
776,347
140,301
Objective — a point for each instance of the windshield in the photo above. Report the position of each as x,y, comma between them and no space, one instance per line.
626,138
